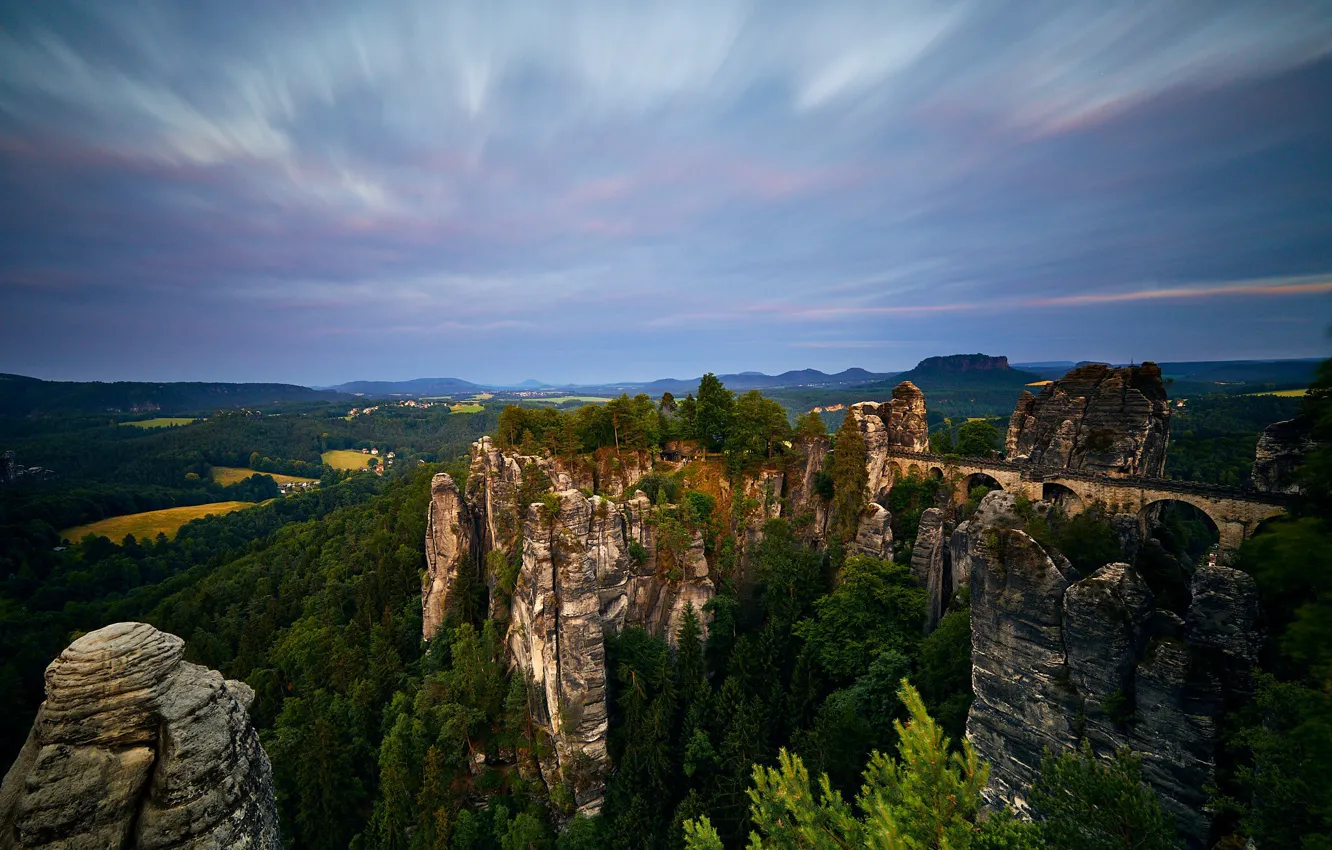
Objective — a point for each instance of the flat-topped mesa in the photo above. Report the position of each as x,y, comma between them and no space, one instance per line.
135,747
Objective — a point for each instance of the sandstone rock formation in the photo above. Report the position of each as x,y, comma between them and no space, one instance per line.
449,550
930,564
135,747
1281,449
1058,658
899,425
585,565
874,533
1023,703
809,510
1096,419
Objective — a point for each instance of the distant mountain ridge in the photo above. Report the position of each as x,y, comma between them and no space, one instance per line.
414,387
23,396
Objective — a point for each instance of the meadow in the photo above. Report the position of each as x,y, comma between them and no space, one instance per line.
225,475
1300,393
161,422
149,524
347,459
466,407
591,399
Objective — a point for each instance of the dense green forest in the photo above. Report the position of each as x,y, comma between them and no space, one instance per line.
1213,437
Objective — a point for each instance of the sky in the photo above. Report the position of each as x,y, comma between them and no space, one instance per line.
583,192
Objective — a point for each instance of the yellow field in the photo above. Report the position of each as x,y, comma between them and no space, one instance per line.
162,422
1286,393
466,407
225,475
347,459
148,524
561,399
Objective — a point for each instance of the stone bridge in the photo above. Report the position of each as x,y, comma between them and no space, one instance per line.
1236,513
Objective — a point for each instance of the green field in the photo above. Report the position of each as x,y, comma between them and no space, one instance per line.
1286,393
592,399
466,407
347,459
161,422
147,525
225,475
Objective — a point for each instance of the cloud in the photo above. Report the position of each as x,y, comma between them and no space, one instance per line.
617,175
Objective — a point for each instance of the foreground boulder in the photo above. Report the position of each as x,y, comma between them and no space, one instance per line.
135,747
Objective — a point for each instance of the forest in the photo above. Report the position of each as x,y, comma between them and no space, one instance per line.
814,712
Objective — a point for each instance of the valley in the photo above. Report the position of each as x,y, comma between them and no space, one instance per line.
584,573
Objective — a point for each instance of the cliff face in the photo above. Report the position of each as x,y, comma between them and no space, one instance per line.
584,566
1281,449
449,547
1096,419
135,747
899,424
1057,658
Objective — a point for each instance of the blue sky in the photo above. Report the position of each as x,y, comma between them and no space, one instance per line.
320,192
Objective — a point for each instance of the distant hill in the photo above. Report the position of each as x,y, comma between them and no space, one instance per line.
416,387
1298,372
744,381
23,396
956,370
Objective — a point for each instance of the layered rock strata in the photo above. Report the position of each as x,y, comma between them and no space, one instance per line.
135,747
582,566
931,565
1059,658
1281,450
1096,419
896,425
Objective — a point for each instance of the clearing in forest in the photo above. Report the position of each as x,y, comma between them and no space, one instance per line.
225,475
161,422
348,459
590,399
147,525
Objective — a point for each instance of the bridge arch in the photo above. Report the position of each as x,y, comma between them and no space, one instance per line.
1063,497
895,473
980,479
1152,510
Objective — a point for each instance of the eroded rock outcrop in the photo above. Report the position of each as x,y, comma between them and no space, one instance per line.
582,566
1059,658
449,550
1096,419
135,747
930,564
874,533
899,424
1281,450
1023,703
